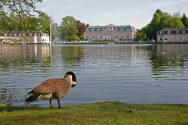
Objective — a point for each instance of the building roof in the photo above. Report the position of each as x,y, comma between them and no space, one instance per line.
21,32
174,29
109,26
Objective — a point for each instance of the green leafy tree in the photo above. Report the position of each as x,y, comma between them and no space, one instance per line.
54,28
18,7
10,23
87,25
69,29
44,23
159,21
141,36
19,15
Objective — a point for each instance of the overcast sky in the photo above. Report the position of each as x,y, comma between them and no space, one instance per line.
137,13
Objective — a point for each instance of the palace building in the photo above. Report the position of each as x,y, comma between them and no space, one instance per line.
111,32
172,35
24,37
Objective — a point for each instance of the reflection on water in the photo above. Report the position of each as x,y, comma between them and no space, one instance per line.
169,61
128,73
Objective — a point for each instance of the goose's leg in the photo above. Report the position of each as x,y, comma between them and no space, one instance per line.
58,100
50,103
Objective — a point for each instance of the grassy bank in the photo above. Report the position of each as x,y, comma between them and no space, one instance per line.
103,113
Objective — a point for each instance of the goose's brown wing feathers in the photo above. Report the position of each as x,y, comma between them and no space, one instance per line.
50,86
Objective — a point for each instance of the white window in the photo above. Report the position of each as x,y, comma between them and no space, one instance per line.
168,38
98,37
177,32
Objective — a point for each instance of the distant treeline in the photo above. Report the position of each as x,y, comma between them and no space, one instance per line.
159,21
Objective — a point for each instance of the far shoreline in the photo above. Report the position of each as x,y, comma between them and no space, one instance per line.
112,43
94,43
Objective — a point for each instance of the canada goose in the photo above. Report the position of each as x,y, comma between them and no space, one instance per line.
54,88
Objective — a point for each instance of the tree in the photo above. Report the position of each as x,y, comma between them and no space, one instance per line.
177,14
159,21
18,7
184,20
54,28
81,29
69,28
44,23
30,23
140,36
19,15
9,23
87,25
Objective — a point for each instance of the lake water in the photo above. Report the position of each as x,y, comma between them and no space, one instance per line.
133,74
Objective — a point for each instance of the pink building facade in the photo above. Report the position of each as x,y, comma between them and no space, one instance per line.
173,35
110,33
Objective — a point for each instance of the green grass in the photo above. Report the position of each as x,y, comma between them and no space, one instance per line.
104,113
